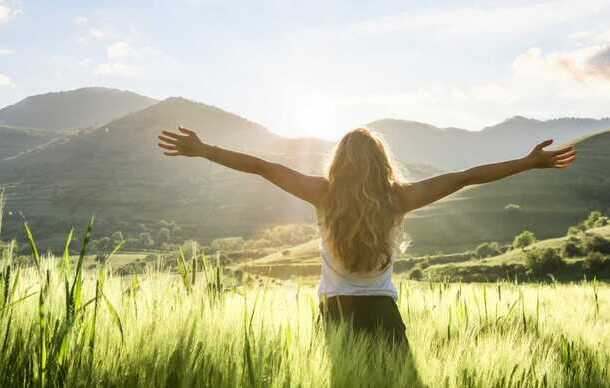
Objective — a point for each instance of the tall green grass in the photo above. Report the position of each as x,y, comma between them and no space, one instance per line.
63,326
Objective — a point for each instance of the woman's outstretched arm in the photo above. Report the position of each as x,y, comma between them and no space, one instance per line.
425,192
187,143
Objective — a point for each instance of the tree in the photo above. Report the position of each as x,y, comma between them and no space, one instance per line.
487,249
597,243
117,237
595,262
574,230
595,220
228,244
572,247
190,248
416,274
524,239
543,261
131,243
146,240
163,236
104,244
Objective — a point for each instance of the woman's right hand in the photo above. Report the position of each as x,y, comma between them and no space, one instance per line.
185,144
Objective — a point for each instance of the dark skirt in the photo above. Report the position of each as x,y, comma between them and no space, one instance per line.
375,315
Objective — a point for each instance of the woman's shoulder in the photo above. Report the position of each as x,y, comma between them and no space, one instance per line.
400,195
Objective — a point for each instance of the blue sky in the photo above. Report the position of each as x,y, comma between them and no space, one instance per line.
319,68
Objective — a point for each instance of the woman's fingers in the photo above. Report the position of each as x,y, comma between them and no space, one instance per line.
171,153
168,146
186,131
168,140
565,155
545,143
563,163
171,134
563,150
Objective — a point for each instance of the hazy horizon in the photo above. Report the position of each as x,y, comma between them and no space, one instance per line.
319,69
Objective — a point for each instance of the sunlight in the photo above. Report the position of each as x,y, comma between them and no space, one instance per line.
308,113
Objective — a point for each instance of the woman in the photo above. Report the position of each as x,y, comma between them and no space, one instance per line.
360,206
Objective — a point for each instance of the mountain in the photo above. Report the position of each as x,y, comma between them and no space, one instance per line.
454,148
74,109
115,171
118,173
545,202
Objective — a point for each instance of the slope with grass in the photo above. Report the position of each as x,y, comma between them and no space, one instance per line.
511,264
118,173
159,329
303,261
547,203
15,140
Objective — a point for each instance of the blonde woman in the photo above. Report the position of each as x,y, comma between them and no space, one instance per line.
360,205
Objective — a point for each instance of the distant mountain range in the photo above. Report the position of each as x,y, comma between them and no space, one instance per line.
75,109
57,177
454,148
118,173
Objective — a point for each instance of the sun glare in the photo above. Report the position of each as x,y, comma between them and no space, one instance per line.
308,113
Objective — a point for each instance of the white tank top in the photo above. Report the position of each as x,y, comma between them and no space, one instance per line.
335,280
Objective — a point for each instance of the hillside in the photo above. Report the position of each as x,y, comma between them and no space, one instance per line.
18,140
303,261
58,179
548,202
454,148
299,261
118,173
508,265
74,109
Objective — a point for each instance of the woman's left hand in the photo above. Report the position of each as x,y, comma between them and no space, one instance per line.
562,158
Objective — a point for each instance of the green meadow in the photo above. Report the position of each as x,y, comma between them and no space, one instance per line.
64,326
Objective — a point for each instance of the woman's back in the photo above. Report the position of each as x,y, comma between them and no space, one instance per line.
336,279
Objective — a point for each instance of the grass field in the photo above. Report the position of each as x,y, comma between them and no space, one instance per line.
196,329
303,260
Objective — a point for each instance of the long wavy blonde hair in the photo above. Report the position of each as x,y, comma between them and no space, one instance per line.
359,209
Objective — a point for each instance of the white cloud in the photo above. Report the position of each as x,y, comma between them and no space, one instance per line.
120,61
5,80
7,13
572,83
477,21
118,69
80,20
587,37
591,63
6,51
123,59
85,62
97,33
118,50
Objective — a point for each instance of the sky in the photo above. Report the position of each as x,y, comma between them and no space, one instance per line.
321,67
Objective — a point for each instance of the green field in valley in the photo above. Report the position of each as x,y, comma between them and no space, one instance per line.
160,329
